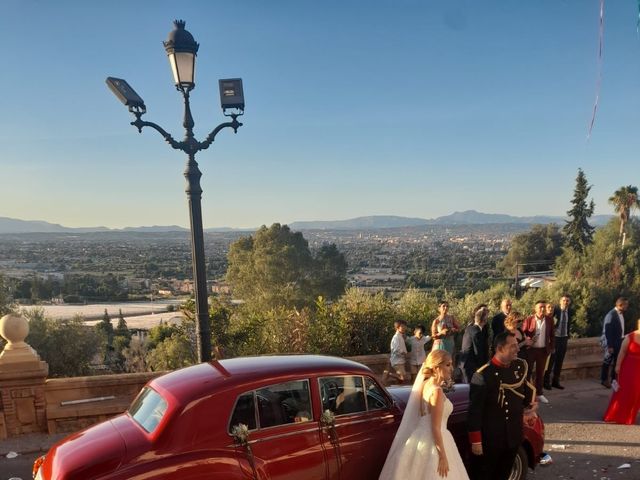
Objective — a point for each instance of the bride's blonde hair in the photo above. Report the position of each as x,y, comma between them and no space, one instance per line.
435,359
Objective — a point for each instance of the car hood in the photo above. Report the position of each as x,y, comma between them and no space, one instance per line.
86,454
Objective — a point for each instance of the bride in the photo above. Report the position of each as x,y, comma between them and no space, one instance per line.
423,448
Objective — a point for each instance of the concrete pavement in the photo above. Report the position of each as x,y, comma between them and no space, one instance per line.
581,445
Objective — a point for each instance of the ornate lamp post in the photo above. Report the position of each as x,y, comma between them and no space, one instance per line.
182,50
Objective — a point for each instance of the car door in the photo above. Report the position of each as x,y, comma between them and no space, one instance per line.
364,425
285,441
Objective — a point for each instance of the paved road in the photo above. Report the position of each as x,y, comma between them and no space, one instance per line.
582,447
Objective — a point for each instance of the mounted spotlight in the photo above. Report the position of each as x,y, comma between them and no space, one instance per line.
231,94
126,94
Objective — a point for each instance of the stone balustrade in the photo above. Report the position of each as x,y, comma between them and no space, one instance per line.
29,402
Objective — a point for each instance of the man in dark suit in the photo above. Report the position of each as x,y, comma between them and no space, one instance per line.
501,396
562,317
497,322
474,352
539,328
613,329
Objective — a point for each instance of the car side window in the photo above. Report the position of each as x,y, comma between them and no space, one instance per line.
244,412
342,395
284,403
376,399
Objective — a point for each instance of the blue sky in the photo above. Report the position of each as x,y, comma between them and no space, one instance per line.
415,108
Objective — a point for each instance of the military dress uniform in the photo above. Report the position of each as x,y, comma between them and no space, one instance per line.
499,395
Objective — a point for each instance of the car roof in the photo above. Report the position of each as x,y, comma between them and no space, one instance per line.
204,379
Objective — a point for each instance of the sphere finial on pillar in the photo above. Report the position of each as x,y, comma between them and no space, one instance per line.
14,329
17,354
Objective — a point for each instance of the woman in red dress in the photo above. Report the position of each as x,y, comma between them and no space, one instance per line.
625,402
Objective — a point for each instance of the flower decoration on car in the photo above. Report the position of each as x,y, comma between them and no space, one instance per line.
240,434
328,419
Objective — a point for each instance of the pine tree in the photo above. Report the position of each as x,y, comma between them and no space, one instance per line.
122,329
578,233
105,329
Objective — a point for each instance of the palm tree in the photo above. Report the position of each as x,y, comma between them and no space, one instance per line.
624,200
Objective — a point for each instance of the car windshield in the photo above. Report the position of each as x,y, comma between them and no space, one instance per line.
148,409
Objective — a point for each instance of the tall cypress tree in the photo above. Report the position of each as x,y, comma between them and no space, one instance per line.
578,233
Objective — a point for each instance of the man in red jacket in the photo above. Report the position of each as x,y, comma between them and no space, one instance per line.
540,329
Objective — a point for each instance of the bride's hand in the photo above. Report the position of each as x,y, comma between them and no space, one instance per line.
443,466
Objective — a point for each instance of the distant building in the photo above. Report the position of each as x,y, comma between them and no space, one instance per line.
221,288
537,281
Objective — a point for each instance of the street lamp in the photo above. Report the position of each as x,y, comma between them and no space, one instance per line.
181,50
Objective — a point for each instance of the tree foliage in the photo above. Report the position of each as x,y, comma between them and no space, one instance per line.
599,275
104,328
541,245
577,231
172,353
6,304
275,268
624,201
67,345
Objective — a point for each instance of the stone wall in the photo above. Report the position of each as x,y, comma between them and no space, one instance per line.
75,403
583,359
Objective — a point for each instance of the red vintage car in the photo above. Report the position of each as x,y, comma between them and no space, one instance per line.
276,417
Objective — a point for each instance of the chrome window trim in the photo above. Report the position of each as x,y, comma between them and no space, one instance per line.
255,407
363,392
389,401
255,412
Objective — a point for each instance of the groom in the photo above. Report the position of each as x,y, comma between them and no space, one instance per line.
500,396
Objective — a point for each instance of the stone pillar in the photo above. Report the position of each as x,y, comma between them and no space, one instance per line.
22,379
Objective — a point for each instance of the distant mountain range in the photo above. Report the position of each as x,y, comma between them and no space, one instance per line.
374,222
468,217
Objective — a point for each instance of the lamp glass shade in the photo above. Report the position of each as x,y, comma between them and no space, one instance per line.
183,66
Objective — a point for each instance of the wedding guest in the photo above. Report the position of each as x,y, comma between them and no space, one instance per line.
486,330
417,354
625,402
397,355
497,322
513,325
539,328
474,352
562,320
443,329
613,332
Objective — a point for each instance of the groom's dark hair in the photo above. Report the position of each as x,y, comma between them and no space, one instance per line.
501,340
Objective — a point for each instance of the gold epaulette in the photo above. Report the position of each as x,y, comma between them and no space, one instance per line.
483,367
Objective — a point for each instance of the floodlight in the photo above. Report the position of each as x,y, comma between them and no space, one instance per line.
125,93
231,93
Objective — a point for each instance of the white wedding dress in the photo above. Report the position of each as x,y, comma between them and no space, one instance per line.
413,453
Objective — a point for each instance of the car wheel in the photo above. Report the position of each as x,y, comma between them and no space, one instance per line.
520,465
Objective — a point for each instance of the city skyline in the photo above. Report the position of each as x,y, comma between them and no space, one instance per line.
357,109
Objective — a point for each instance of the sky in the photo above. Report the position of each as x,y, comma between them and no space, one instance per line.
364,107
